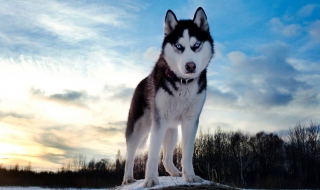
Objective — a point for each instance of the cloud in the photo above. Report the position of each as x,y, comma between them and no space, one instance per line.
276,25
119,128
217,98
118,123
309,73
16,115
68,97
56,140
152,54
302,13
266,80
68,32
308,99
272,60
47,143
68,21
290,30
120,92
306,10
78,35
271,98
303,65
315,31
69,141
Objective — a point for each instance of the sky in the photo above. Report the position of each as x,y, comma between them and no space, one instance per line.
68,70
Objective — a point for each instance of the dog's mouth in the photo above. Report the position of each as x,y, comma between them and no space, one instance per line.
190,73
187,74
170,74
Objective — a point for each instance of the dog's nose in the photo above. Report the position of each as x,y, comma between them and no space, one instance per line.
190,67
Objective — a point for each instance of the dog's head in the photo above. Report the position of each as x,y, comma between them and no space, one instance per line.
188,45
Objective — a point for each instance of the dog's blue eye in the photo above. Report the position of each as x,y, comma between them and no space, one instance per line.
178,46
197,45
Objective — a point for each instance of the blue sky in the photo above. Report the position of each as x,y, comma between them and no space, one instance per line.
68,70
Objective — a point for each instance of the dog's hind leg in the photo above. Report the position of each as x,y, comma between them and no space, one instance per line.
132,145
169,143
138,136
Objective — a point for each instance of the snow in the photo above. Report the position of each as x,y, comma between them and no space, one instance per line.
165,181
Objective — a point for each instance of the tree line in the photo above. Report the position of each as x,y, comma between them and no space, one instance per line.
261,160
75,173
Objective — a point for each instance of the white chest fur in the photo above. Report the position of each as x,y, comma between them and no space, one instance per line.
185,101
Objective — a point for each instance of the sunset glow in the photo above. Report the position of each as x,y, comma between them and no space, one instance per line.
68,71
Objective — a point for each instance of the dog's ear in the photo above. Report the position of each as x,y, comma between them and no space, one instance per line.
170,22
200,19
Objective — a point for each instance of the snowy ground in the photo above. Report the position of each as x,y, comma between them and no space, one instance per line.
165,181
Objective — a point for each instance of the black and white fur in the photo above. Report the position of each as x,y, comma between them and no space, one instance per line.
173,94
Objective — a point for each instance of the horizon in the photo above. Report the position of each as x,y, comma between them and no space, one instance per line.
68,71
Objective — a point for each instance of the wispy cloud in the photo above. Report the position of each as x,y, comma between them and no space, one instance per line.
306,10
119,92
315,31
152,54
290,30
217,98
15,115
68,97
86,140
266,80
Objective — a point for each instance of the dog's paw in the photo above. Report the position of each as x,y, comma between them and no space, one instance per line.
151,182
174,172
177,174
128,181
193,179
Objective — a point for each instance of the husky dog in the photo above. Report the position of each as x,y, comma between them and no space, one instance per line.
173,94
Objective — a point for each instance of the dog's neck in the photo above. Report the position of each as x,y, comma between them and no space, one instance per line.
171,75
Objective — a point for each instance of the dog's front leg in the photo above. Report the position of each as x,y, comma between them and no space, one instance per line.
189,130
158,130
